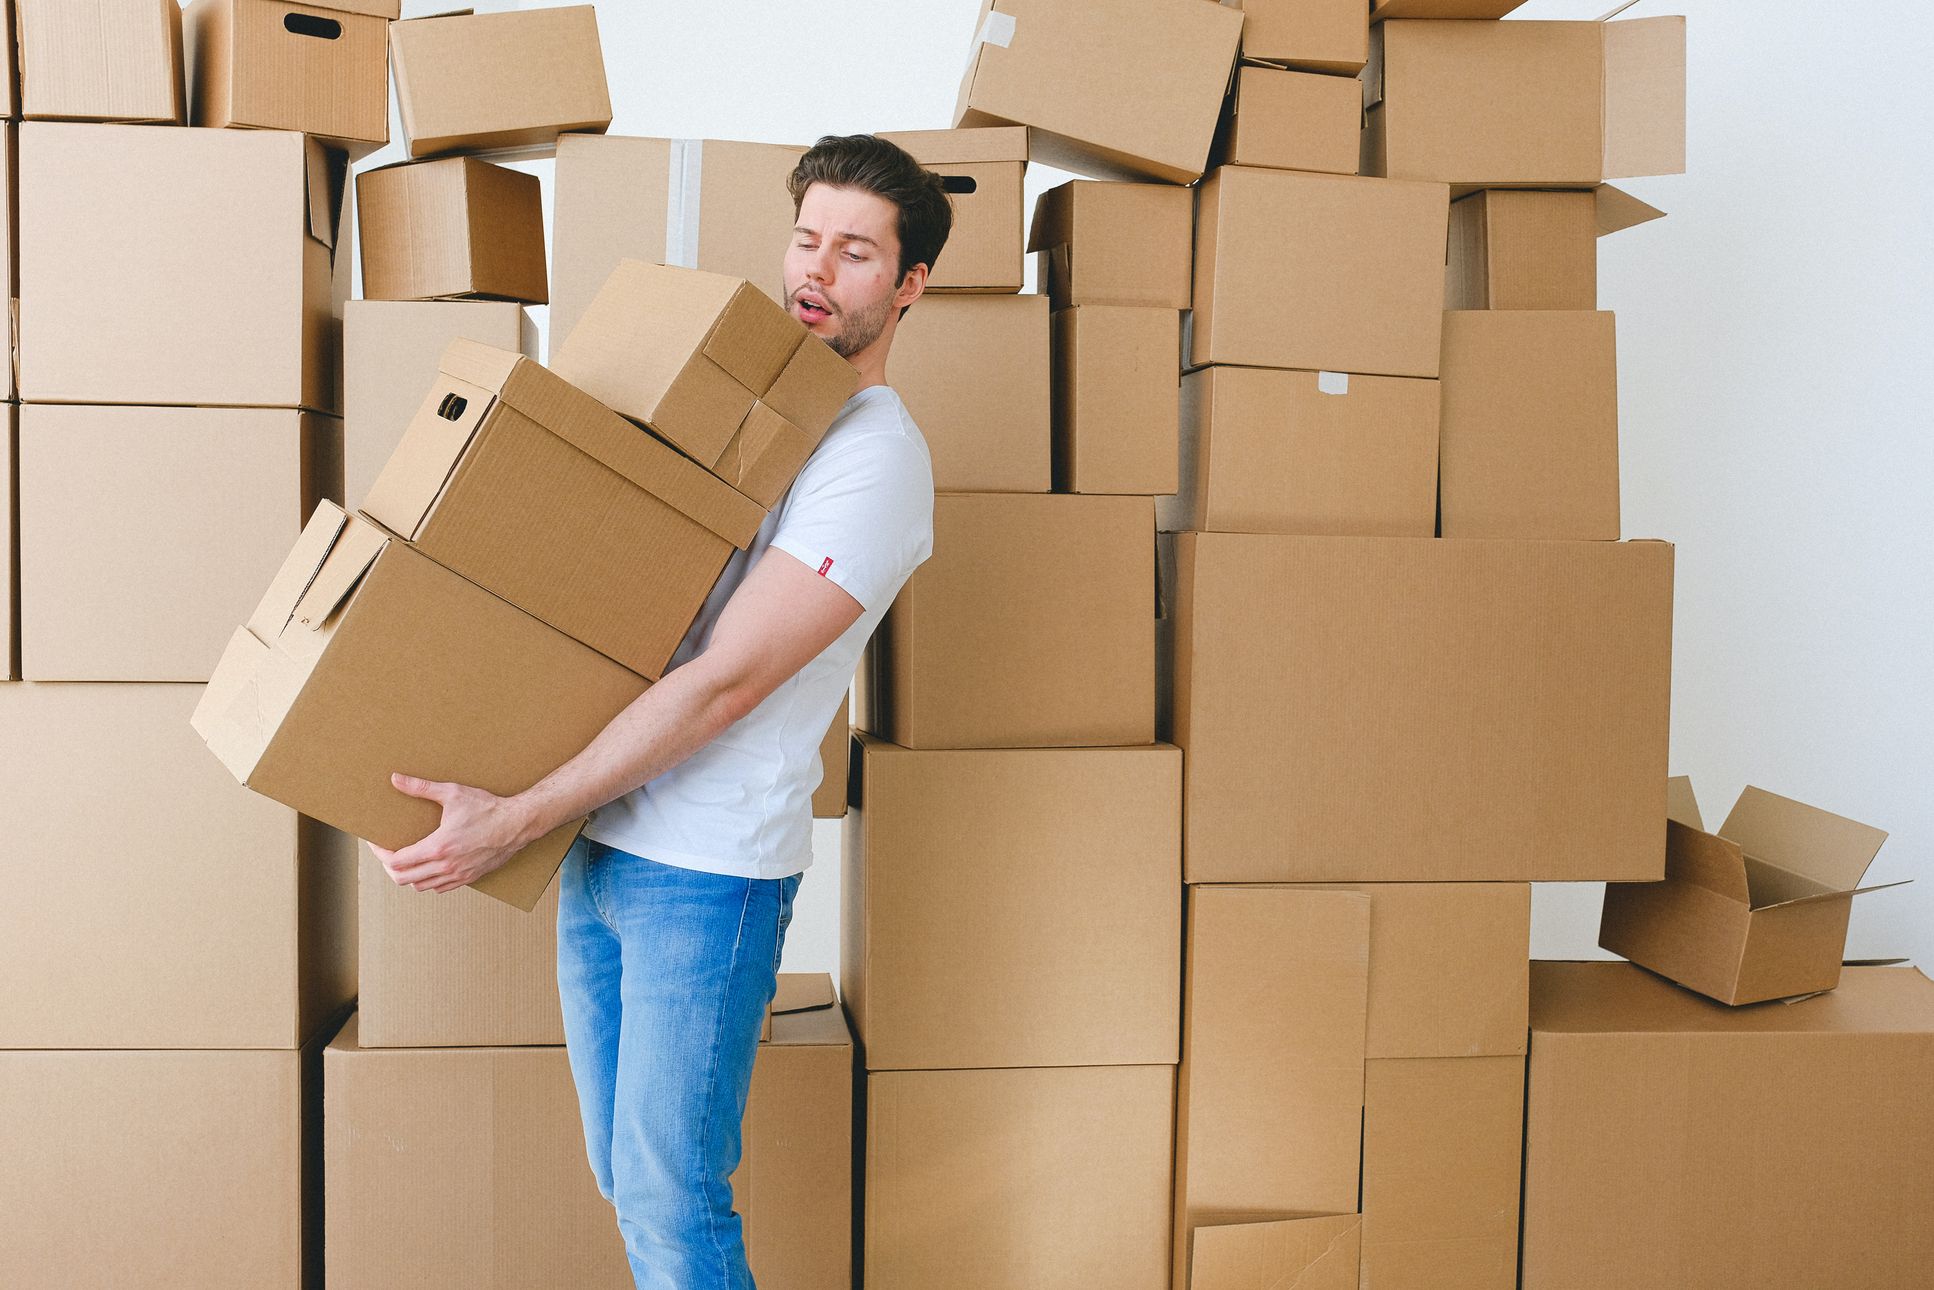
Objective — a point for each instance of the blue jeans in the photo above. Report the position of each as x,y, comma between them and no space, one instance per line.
664,975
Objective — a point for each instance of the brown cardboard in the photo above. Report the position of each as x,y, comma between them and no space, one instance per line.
366,659
1442,1138
1382,9
185,914
982,171
1113,244
453,228
1521,249
1270,451
469,82
1058,952
1030,625
1317,1252
530,489
1315,35
248,315
1290,121
1010,1179
1325,272
829,798
974,375
1756,909
1673,1141
271,65
1530,425
9,278
1115,399
1517,691
9,563
99,60
1150,75
134,516
10,77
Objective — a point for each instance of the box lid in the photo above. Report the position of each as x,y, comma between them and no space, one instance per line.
290,583
1617,210
1828,850
1301,1252
355,549
1645,96
959,147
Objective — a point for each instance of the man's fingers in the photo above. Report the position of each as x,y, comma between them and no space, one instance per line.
428,789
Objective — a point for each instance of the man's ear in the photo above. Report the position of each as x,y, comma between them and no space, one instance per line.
911,286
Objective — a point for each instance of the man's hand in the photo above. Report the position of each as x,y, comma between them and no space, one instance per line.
479,832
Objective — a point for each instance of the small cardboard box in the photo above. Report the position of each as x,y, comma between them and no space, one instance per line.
99,60
472,82
1530,425
1134,243
1116,89
1288,120
449,229
974,373
982,171
1313,35
835,761
1513,248
1116,399
270,65
1756,910
1271,451
1320,272
1311,1252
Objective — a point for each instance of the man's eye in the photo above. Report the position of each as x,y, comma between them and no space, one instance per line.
854,256
807,246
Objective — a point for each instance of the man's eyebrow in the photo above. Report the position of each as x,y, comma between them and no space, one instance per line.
842,236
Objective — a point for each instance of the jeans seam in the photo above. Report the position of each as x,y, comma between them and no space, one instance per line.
712,1080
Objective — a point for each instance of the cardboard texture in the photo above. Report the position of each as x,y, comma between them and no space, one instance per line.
9,148
188,914
275,66
1516,691
982,171
1318,1252
133,516
453,228
99,60
10,76
1031,625
365,658
1269,1097
137,288
1115,399
1673,1141
829,798
1530,425
1147,78
1382,9
1268,451
1442,1138
1113,244
1756,909
471,82
975,377
9,565
1519,249
532,490
1010,1179
1316,35
1290,121
1325,272
1059,952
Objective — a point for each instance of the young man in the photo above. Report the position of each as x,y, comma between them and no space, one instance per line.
674,903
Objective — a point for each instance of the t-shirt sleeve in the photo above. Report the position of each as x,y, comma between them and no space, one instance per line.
862,517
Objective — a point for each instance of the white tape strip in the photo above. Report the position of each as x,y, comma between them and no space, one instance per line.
996,29
1332,382
684,184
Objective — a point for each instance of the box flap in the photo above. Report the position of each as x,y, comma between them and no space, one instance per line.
430,447
1680,804
1617,210
1819,896
1805,840
754,338
1645,97
1703,860
298,570
1305,1253
355,550
802,992
326,177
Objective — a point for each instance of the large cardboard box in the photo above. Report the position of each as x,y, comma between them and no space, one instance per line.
366,658
1756,909
9,566
270,65
1316,35
470,82
169,518
1514,248
1271,451
532,490
451,228
138,288
1491,711
1325,272
1116,400
1150,74
1316,1252
1012,907
1017,1178
99,60
1113,244
1031,625
974,373
835,760
1674,1141
1290,121
982,171
1530,425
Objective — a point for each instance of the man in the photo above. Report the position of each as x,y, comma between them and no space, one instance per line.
673,905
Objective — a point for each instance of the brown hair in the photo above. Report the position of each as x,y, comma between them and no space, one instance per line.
875,165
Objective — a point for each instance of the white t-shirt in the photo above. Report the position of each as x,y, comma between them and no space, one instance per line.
860,512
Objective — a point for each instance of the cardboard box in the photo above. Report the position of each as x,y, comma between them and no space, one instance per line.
1271,451
453,228
1526,104
1526,726
835,759
1382,9
530,489
1116,399
10,75
1009,1179
1316,1252
1673,1141
1269,1097
974,375
470,82
1323,272
1290,121
137,288
391,352
365,658
1135,241
1151,75
270,65
99,60
1442,1137
187,914
982,171
1315,35
9,563
1032,625
1530,425
1512,248
8,277
1755,910
172,518
1058,952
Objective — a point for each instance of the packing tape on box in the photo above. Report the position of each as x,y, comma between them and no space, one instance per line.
684,184
1332,382
996,29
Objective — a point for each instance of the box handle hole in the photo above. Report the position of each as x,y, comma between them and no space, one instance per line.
451,409
958,183
308,24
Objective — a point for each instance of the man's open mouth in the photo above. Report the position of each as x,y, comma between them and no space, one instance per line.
812,311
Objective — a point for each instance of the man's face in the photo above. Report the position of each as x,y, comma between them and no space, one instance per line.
843,267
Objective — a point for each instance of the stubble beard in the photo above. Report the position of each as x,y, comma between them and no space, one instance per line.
859,330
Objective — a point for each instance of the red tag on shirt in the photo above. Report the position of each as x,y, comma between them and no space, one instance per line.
824,565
